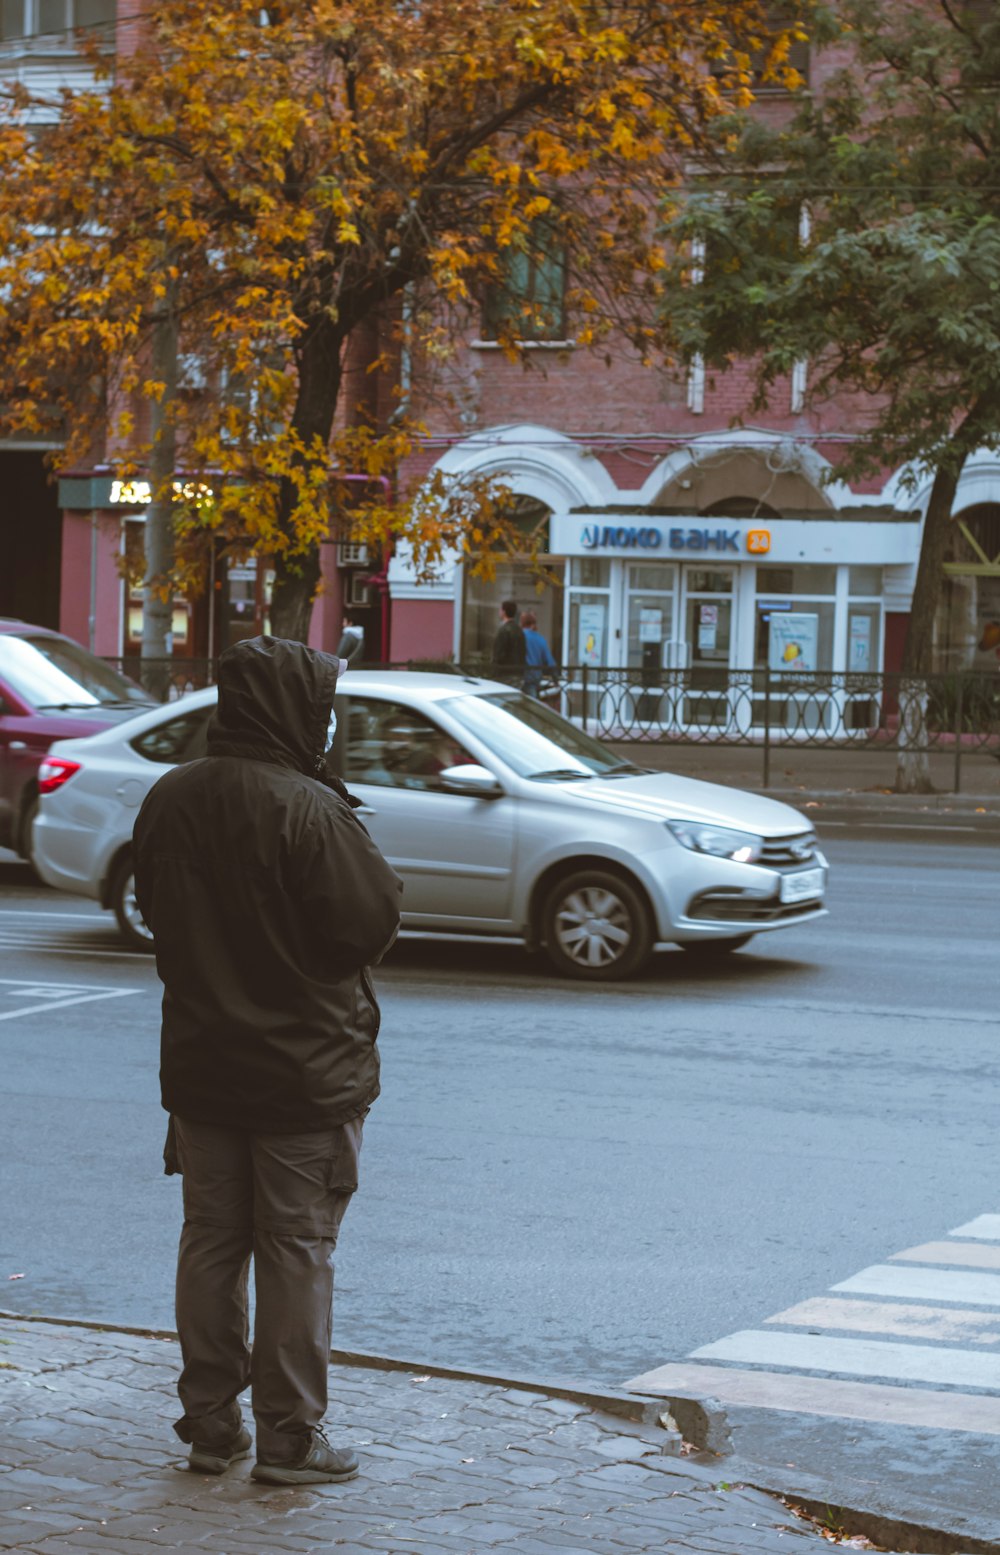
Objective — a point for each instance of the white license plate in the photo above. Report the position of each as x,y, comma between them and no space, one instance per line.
800,887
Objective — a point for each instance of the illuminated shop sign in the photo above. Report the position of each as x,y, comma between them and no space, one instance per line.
622,537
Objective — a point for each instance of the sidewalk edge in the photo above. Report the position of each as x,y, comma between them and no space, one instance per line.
922,1528
628,1406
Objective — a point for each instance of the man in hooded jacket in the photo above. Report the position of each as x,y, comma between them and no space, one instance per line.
267,901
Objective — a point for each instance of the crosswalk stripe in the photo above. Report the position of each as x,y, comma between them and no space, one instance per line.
826,1396
985,1226
972,1254
858,1357
915,1284
908,1322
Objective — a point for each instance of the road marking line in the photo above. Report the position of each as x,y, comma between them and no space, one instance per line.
66,950
985,1226
857,1357
83,916
826,1396
886,1279
909,1322
62,996
967,1253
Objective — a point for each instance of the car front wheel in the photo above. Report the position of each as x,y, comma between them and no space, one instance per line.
126,908
596,926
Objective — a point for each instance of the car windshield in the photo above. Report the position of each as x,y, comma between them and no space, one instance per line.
52,672
534,741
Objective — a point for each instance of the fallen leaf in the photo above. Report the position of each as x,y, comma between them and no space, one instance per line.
15,1276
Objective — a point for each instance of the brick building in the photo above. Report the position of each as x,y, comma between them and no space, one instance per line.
674,542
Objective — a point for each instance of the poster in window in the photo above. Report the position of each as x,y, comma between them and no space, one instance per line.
859,644
793,643
650,625
590,646
708,628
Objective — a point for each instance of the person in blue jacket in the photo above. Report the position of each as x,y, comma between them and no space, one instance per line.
538,654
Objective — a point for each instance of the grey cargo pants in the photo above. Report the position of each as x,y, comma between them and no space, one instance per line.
280,1198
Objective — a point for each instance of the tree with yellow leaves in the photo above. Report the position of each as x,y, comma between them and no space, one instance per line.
253,185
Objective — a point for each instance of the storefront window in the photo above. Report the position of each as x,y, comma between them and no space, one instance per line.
865,582
775,581
512,580
590,572
967,628
588,628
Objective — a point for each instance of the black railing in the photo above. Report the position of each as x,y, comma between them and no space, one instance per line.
954,714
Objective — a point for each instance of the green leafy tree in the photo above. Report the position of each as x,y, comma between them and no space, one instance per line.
893,292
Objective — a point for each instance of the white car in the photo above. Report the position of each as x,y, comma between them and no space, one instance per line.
500,816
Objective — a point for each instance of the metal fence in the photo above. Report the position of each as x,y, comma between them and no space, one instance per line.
955,714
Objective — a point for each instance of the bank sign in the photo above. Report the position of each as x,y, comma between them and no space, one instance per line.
627,537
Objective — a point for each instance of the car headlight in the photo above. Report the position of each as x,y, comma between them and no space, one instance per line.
720,841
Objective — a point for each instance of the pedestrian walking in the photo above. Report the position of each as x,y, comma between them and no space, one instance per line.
538,654
509,650
267,901
352,641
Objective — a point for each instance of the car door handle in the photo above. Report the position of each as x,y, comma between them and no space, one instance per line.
18,745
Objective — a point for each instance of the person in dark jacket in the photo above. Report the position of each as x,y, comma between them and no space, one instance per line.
267,901
509,648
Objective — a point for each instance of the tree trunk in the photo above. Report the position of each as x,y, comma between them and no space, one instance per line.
157,591
913,774
297,573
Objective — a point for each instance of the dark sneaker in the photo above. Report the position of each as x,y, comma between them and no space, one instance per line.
322,1465
216,1460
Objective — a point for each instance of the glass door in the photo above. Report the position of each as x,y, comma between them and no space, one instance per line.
650,620
709,606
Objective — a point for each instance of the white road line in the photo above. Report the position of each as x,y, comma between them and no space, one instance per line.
71,951
907,1322
825,1396
913,1284
60,997
857,1357
83,916
968,1254
985,1226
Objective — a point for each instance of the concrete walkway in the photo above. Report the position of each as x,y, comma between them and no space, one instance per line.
89,1465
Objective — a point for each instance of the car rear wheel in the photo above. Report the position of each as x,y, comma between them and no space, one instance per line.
596,926
126,908
708,949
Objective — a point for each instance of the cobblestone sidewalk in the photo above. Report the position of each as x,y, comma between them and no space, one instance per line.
89,1466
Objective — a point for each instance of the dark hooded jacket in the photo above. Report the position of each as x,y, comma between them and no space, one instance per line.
267,900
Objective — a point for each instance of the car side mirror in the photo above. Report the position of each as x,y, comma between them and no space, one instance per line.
471,779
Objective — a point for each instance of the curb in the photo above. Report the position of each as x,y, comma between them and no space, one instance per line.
923,1529
818,1500
627,1406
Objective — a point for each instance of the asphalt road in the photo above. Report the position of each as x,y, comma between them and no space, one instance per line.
558,1180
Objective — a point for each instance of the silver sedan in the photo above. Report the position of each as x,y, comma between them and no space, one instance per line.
501,816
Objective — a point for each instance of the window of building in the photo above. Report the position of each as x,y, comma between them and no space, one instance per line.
799,601
529,302
55,20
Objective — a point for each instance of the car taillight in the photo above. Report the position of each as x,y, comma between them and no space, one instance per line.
54,772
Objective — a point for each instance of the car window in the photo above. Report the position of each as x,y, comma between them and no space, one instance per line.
531,738
52,672
176,740
390,744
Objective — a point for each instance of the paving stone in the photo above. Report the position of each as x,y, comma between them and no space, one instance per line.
93,1455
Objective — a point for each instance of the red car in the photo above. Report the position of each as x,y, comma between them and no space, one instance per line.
50,689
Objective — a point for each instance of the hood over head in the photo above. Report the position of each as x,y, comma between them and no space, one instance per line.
275,699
